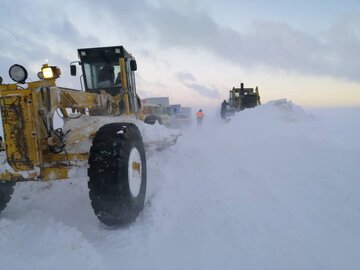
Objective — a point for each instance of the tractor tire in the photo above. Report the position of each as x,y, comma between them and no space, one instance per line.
117,174
151,119
6,190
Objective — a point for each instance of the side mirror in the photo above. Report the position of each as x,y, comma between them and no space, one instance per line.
133,65
73,70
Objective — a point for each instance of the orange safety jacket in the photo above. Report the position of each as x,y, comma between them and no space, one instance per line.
200,114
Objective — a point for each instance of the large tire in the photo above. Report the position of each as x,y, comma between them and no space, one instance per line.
152,119
6,190
117,174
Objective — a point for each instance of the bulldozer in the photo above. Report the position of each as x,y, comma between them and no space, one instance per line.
239,99
32,149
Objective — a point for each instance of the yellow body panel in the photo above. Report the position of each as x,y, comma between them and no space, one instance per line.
55,173
4,87
26,115
20,130
65,157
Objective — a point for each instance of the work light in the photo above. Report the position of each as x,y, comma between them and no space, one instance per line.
18,73
50,72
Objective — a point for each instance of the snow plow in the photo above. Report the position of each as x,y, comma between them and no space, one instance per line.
240,99
34,150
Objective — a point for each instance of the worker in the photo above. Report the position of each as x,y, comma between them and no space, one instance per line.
223,109
199,117
118,80
106,76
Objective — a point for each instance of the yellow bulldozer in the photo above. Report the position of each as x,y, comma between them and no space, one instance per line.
240,98
34,150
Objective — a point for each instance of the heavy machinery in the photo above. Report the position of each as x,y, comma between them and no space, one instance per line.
240,99
33,150
156,109
155,113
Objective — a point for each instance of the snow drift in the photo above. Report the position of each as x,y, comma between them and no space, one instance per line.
277,187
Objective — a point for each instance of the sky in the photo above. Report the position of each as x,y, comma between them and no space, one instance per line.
195,51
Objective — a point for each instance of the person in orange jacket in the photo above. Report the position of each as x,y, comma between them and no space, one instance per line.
199,117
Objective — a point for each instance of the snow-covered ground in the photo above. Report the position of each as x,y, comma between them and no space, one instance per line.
277,187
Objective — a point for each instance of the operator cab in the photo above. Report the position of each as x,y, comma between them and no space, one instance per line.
101,67
109,69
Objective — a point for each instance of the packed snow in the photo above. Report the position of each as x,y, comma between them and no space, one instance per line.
79,131
276,187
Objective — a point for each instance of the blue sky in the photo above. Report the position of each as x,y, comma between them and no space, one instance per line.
305,51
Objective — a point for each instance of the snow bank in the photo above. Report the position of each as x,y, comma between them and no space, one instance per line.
285,110
274,188
80,129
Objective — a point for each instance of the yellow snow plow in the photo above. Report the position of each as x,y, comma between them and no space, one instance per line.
239,99
34,150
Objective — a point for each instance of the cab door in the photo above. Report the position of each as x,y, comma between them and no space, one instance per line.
130,77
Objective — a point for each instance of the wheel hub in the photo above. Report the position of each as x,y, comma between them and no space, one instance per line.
135,172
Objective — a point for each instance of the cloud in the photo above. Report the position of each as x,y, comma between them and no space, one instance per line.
203,90
276,45
190,81
187,26
31,40
185,76
271,44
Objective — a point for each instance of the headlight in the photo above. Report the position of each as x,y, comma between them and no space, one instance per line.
18,73
50,72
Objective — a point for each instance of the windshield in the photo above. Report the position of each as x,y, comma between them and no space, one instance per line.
101,72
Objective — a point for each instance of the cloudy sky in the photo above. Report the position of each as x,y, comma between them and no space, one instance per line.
195,51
